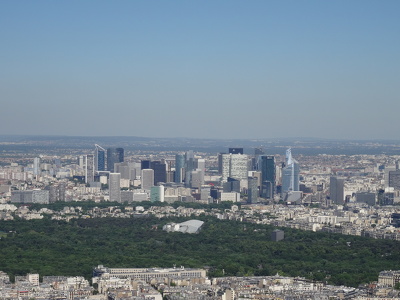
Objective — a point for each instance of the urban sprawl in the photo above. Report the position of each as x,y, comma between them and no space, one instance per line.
350,195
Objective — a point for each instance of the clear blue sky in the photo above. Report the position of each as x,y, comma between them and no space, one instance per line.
215,69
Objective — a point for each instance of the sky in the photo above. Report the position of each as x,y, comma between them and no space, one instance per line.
201,69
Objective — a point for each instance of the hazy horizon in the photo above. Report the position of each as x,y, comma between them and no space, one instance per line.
209,69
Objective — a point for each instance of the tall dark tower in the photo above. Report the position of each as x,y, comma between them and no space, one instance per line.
267,168
145,164
160,171
114,155
120,153
99,158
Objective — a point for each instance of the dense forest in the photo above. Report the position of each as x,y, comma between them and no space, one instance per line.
224,247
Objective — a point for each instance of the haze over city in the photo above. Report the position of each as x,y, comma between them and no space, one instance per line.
205,69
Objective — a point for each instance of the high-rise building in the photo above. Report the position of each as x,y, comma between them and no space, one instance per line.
157,193
220,164
36,166
114,155
53,193
255,160
290,174
252,192
196,179
232,185
394,179
189,166
179,168
267,168
147,179
62,186
160,171
81,161
89,168
336,190
189,160
99,158
121,155
114,186
145,164
125,169
201,165
234,166
205,193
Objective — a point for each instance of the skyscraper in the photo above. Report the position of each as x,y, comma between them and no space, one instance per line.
189,166
145,164
179,167
394,179
220,164
124,169
160,171
201,166
267,168
61,191
147,179
336,190
89,168
99,158
234,166
232,185
114,155
252,192
81,161
290,174
114,186
36,166
196,179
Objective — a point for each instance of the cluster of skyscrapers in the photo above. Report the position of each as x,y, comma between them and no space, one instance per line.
252,175
101,160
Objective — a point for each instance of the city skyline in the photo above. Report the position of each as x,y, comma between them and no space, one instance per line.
227,69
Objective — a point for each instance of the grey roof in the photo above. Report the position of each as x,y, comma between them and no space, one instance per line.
191,226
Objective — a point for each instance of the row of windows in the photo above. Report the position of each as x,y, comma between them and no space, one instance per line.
155,275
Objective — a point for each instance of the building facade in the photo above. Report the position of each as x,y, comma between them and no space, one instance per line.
336,190
99,158
114,155
268,178
147,179
114,185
